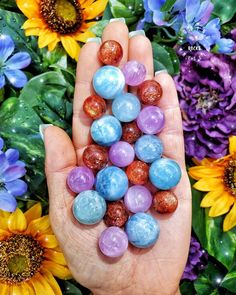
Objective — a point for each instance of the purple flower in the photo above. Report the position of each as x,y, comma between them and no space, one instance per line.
11,169
11,68
207,93
197,261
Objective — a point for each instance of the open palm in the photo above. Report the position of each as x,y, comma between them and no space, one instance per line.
156,270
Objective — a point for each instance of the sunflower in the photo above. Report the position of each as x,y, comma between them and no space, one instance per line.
218,178
29,254
65,21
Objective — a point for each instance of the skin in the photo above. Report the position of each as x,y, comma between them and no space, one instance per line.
153,271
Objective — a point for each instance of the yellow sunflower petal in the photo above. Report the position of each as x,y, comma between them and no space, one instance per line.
29,288
221,206
48,241
17,221
38,226
30,8
55,256
46,37
40,285
33,23
4,289
86,3
4,234
52,45
71,46
95,9
32,32
210,198
52,282
86,26
208,184
4,214
34,212
82,37
60,271
232,145
230,219
19,290
3,223
199,172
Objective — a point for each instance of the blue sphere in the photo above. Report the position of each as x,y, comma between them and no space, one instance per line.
142,230
106,130
165,173
89,207
108,82
148,148
112,183
126,107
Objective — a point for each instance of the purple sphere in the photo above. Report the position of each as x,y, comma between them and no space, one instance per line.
80,179
121,154
113,242
151,120
134,72
138,199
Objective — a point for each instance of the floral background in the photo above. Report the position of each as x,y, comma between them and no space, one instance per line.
195,42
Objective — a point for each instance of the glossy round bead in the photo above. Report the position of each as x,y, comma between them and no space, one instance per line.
134,72
89,207
94,106
131,132
165,202
150,92
151,120
106,131
108,82
116,214
165,173
142,230
148,148
95,157
112,183
110,52
113,242
138,172
126,107
121,154
80,179
138,199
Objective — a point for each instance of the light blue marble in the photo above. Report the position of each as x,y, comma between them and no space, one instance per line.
89,207
108,81
112,183
126,107
106,130
142,230
148,148
165,173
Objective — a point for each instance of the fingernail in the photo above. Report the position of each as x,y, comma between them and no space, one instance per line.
160,72
96,40
42,128
137,33
121,19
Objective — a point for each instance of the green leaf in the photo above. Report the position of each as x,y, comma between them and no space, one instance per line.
70,289
229,282
98,28
167,5
187,288
131,10
8,4
224,10
226,28
165,58
107,15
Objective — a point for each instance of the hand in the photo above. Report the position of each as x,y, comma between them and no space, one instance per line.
139,271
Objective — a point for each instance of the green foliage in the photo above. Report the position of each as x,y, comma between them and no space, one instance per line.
98,28
8,4
187,288
167,5
225,10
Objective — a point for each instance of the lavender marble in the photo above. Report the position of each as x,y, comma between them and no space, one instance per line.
138,199
80,179
121,154
134,72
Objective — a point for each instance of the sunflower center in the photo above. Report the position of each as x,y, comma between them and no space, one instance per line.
62,16
20,258
230,177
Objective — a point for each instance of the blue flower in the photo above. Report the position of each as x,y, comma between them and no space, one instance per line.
11,169
11,68
224,45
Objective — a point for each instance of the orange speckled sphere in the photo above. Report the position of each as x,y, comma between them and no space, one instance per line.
95,157
149,92
165,202
110,52
137,172
116,214
94,106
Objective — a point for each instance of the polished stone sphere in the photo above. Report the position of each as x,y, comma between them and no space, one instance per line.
110,52
111,183
126,107
94,106
151,120
106,131
113,242
95,156
138,199
148,148
138,172
80,179
134,72
121,154
116,214
142,230
165,173
89,207
130,132
165,202
108,82
149,92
